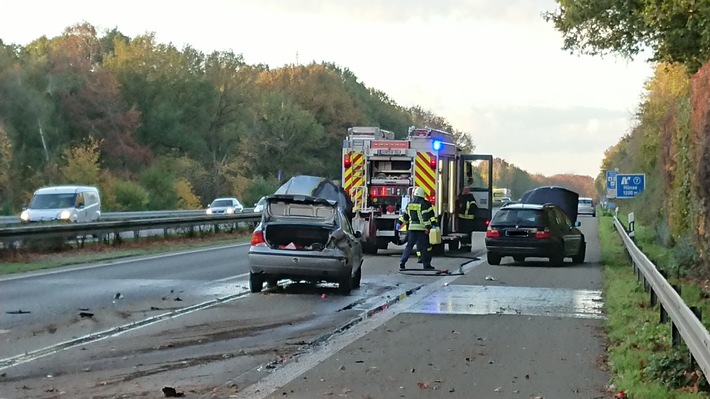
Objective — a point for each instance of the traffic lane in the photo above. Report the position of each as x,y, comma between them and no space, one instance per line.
202,350
189,276
463,356
537,272
139,299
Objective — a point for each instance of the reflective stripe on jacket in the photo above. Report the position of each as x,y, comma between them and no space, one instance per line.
419,215
466,206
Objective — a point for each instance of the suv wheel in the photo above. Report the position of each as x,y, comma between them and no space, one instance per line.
256,282
519,258
493,259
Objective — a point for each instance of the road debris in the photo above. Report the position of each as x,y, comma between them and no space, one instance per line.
490,278
86,315
118,296
170,392
19,311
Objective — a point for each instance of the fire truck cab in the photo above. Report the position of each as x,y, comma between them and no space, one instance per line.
381,172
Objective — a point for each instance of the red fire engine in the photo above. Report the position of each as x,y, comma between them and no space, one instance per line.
381,172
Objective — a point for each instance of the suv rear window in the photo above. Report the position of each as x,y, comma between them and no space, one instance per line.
585,202
524,217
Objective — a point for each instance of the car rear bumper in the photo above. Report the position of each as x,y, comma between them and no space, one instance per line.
299,264
541,248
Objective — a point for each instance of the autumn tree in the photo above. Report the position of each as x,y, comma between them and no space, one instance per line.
81,164
675,31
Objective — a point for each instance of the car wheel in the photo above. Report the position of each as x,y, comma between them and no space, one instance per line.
519,258
357,277
345,285
272,282
493,259
256,282
454,245
579,258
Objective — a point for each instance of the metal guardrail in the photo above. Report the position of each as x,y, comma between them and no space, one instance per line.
692,331
40,231
10,220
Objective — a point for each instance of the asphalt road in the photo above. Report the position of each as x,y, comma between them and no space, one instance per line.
515,330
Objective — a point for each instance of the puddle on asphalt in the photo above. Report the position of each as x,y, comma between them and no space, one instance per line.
528,301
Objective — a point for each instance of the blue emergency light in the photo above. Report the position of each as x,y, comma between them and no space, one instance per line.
436,145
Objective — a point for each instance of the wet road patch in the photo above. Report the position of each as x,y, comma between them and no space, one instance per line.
528,301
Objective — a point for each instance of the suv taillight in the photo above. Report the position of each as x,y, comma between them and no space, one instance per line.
543,234
257,239
492,232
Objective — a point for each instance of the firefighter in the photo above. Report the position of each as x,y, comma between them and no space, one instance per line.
465,211
419,217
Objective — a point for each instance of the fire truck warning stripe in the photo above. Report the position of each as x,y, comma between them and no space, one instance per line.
424,175
354,174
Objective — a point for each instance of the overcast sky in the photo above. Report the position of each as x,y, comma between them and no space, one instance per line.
493,68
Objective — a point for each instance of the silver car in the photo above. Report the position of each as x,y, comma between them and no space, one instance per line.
304,238
224,206
259,206
586,206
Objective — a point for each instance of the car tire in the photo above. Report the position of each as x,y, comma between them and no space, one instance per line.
272,282
519,258
493,259
345,285
256,282
357,278
579,257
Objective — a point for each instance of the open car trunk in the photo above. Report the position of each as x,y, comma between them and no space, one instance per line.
297,237
566,199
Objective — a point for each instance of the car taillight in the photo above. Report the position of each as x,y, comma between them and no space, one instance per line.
492,233
257,239
543,234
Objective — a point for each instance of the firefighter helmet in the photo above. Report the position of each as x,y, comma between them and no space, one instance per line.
419,192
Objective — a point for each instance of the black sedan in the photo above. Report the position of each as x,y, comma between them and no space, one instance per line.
534,230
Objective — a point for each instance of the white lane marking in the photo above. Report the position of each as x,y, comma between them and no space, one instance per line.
113,332
362,325
226,279
109,262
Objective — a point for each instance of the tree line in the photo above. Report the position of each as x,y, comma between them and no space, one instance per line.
156,127
670,140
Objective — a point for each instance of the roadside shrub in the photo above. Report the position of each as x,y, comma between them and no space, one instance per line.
128,196
673,369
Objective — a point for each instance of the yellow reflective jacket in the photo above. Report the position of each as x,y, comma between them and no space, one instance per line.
466,206
419,215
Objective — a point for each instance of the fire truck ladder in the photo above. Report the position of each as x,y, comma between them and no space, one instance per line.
359,197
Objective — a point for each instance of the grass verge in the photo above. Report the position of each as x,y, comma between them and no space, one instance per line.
642,361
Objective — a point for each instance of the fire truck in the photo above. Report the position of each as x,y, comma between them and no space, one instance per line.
380,173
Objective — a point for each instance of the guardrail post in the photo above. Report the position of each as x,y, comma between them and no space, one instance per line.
699,314
675,334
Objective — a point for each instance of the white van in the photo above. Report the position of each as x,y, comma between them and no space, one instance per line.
63,203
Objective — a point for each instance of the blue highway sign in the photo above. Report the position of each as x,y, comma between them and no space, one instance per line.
629,185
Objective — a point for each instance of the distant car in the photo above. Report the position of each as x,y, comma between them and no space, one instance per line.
224,206
302,237
505,200
530,229
259,206
586,206
73,204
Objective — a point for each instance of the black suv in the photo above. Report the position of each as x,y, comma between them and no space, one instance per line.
534,230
